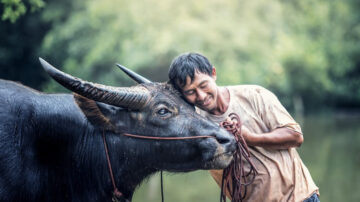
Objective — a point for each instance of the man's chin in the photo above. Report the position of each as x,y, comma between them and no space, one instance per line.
207,108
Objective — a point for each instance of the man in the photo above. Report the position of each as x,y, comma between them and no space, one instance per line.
268,129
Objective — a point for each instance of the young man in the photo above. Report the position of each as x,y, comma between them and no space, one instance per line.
268,129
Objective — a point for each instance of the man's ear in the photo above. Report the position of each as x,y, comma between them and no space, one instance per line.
98,114
213,73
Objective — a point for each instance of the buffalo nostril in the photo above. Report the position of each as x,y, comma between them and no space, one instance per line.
227,142
223,140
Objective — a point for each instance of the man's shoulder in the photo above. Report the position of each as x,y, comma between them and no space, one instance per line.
246,86
247,90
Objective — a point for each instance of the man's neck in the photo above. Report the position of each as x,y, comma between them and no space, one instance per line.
222,101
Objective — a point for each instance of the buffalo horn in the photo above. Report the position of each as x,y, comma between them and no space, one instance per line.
135,76
127,97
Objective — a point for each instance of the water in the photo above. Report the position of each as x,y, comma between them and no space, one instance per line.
331,151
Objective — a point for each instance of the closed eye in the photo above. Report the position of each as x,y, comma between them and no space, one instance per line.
190,92
203,86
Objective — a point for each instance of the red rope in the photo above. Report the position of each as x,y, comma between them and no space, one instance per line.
165,138
234,173
234,177
116,194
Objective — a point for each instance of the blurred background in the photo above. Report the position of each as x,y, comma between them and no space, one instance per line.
307,52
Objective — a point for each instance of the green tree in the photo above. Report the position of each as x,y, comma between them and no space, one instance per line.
238,38
302,50
20,43
13,9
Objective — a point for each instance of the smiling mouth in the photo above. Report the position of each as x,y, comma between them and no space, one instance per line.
205,103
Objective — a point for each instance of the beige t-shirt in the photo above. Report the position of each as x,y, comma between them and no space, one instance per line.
282,176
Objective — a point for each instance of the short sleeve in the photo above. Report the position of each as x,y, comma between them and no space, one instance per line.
271,111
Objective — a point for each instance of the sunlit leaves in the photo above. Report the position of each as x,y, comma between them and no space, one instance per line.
296,48
13,9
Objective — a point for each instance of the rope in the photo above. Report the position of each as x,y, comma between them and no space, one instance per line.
233,173
234,178
116,193
162,186
165,138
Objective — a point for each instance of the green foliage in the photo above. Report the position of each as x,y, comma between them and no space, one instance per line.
20,43
326,33
148,35
308,50
13,9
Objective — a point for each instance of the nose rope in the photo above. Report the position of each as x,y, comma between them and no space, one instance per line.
116,193
235,178
166,138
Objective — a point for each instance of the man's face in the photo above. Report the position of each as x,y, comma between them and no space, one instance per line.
202,91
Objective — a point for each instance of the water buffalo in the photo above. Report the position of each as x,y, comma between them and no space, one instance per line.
51,146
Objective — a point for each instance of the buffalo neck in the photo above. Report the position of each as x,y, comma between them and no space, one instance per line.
71,150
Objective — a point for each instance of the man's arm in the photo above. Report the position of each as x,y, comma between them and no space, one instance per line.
280,138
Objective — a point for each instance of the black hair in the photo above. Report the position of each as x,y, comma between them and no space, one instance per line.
187,64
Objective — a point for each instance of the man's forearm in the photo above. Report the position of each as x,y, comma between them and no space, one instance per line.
281,138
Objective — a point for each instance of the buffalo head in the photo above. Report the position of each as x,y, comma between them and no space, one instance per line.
152,109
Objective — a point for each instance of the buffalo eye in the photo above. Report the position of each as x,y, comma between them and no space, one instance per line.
163,112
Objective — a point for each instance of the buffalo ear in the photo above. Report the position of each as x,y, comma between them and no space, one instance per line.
98,114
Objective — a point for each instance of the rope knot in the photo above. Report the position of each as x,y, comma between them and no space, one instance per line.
116,195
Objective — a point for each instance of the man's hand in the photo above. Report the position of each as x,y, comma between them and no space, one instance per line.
245,132
247,135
